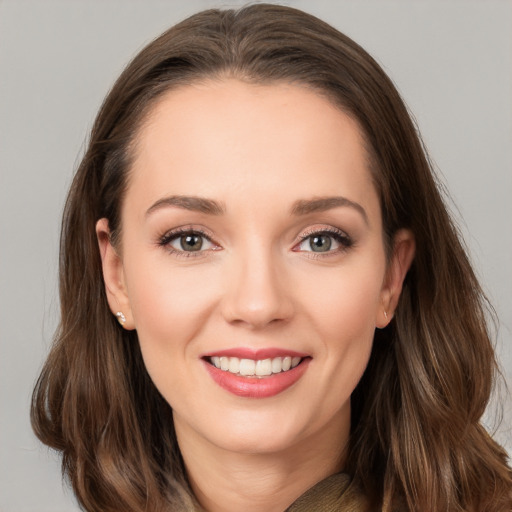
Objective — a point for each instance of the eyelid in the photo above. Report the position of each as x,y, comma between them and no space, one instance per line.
170,235
318,230
314,230
341,236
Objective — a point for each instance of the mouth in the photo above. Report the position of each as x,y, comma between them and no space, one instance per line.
258,368
259,374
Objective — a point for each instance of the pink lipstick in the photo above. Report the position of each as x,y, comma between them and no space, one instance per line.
258,373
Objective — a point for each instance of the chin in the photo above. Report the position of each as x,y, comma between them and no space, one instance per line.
252,440
261,431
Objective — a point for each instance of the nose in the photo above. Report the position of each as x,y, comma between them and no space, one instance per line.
258,292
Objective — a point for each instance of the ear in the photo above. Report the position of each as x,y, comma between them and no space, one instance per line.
404,248
113,276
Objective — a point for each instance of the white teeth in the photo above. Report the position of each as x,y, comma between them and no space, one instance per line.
264,367
234,365
277,365
247,367
259,368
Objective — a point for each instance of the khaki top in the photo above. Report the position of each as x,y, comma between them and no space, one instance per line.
334,494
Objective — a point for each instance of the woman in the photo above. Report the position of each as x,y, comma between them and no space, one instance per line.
264,301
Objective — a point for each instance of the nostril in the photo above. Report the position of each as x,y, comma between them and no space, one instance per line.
256,296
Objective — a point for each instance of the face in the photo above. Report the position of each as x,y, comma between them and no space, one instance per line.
252,262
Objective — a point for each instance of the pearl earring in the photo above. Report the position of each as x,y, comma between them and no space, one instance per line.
120,317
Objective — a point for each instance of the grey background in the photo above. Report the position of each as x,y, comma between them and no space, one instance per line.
450,59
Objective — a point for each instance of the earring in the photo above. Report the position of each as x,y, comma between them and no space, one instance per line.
385,314
120,317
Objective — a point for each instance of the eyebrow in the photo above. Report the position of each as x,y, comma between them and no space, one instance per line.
193,203
322,204
300,207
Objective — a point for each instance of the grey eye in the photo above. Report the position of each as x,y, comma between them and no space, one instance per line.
324,241
191,242
320,243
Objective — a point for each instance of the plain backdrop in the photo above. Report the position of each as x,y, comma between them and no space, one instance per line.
451,60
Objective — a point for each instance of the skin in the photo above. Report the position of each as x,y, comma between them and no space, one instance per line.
256,150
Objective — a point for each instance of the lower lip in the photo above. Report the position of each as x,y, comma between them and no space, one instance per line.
257,387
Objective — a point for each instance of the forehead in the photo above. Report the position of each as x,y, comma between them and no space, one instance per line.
231,139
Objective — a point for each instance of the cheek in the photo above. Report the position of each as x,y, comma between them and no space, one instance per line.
343,317
168,305
346,301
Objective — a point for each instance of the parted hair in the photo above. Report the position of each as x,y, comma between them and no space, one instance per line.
416,439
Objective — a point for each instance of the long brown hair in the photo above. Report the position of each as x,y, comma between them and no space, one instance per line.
416,436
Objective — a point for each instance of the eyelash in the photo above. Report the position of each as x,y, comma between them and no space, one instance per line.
170,236
345,241
338,235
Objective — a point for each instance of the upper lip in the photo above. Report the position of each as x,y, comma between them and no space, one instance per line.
255,354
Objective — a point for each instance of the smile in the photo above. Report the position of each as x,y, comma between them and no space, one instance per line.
255,368
256,374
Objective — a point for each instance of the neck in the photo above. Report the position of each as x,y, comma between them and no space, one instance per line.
227,481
